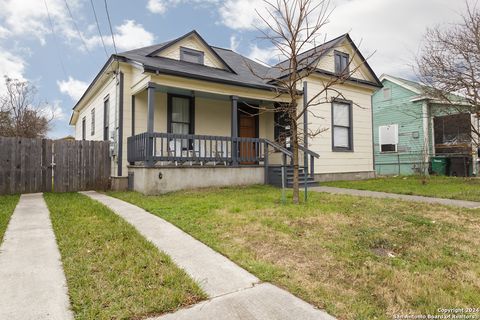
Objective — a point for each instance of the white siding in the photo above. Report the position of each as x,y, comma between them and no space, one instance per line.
361,158
109,89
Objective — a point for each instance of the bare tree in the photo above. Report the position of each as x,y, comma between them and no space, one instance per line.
449,64
20,113
294,28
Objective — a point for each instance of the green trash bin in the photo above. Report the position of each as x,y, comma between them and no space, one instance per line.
440,166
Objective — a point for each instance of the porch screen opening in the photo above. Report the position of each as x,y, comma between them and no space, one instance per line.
342,126
181,119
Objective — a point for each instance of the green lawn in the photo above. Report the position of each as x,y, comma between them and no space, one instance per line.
7,205
359,258
440,187
112,271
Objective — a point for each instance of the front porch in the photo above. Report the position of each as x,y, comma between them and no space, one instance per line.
191,139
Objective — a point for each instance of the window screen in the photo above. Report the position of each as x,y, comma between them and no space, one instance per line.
388,138
342,126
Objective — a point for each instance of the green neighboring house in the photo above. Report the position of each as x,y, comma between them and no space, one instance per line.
411,130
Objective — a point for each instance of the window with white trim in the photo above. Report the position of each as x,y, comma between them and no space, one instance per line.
342,138
388,138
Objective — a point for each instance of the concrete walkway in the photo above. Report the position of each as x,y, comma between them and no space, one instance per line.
32,282
234,292
383,195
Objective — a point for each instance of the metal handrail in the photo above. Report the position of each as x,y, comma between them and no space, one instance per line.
308,151
278,147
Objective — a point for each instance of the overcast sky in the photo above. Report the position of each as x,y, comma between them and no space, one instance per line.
61,55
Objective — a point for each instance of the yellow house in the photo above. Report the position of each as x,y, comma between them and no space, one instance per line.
185,114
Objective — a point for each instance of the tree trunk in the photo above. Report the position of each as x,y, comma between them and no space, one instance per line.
296,186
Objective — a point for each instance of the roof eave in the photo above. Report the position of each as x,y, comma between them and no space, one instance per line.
157,70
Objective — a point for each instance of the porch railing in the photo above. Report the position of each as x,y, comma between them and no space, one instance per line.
202,149
176,149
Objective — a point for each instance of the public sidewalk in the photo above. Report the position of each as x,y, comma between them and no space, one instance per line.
234,293
405,197
32,282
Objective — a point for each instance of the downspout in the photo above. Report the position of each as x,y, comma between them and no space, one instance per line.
120,127
373,136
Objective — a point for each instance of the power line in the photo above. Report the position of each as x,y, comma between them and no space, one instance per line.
55,40
76,26
110,25
98,28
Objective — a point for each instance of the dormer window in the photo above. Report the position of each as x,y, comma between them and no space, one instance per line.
191,55
341,62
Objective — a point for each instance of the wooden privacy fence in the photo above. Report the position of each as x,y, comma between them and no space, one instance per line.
42,165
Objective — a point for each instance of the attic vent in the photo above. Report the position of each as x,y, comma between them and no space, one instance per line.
190,55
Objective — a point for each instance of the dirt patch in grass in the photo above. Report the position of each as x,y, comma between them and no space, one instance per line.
7,206
112,271
359,258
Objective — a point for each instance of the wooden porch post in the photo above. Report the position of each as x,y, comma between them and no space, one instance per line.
234,134
150,118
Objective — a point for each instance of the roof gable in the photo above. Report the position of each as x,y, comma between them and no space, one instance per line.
323,55
192,41
409,85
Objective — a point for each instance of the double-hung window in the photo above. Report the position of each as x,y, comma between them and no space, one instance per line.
342,135
181,117
92,123
341,63
84,128
106,118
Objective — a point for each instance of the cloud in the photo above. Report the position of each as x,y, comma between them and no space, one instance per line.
156,6
394,29
241,14
54,110
161,6
12,66
129,35
263,55
30,18
72,87
234,43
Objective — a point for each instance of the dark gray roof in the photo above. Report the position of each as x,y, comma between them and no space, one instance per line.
240,67
306,59
241,70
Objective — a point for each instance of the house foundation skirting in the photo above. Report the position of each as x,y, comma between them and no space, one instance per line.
160,179
323,177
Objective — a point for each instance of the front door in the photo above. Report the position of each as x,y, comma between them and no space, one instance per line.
247,128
